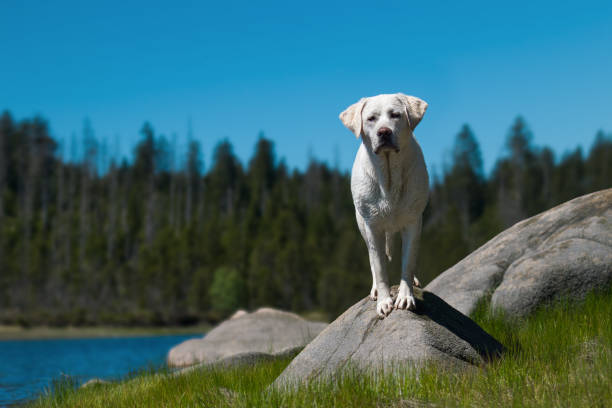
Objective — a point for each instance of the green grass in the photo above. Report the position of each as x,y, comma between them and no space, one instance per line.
559,356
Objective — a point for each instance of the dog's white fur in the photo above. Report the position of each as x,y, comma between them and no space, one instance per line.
390,188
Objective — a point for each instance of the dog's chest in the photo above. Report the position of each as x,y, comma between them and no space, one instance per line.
390,203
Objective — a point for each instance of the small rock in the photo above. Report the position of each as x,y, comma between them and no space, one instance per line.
94,382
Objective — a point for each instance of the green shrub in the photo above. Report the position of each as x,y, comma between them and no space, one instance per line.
227,290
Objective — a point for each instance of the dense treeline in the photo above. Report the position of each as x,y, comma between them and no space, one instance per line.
158,240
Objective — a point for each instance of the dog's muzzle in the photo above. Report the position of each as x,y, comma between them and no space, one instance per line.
386,147
385,141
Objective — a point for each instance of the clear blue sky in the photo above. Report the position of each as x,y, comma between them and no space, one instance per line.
289,68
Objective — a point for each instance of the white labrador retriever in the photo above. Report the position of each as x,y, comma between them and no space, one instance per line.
390,188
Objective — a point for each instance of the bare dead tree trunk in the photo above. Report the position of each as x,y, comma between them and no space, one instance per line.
189,195
72,190
124,216
112,212
59,223
188,199
172,204
88,169
83,221
29,191
509,204
150,212
44,200
53,288
201,199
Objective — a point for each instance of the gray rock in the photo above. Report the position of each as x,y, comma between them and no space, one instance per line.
564,251
358,339
264,332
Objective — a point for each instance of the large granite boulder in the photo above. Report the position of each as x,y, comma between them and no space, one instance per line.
359,339
565,251
267,332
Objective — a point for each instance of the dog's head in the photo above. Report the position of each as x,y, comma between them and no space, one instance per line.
385,122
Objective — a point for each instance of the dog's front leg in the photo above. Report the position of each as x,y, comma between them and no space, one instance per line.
410,246
376,251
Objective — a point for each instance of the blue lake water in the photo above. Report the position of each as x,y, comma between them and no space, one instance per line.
28,367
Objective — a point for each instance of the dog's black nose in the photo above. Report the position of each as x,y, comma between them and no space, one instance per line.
384,132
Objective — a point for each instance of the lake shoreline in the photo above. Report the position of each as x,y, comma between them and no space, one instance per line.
34,367
70,332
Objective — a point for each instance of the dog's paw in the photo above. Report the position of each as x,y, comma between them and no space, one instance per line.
384,307
405,301
373,294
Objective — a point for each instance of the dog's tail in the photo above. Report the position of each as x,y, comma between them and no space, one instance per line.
388,245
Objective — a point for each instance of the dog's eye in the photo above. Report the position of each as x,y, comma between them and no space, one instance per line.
394,115
372,118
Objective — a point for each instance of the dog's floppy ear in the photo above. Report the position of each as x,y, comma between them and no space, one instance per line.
415,109
351,117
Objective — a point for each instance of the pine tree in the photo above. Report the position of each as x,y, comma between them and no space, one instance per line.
598,167
95,240
465,181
